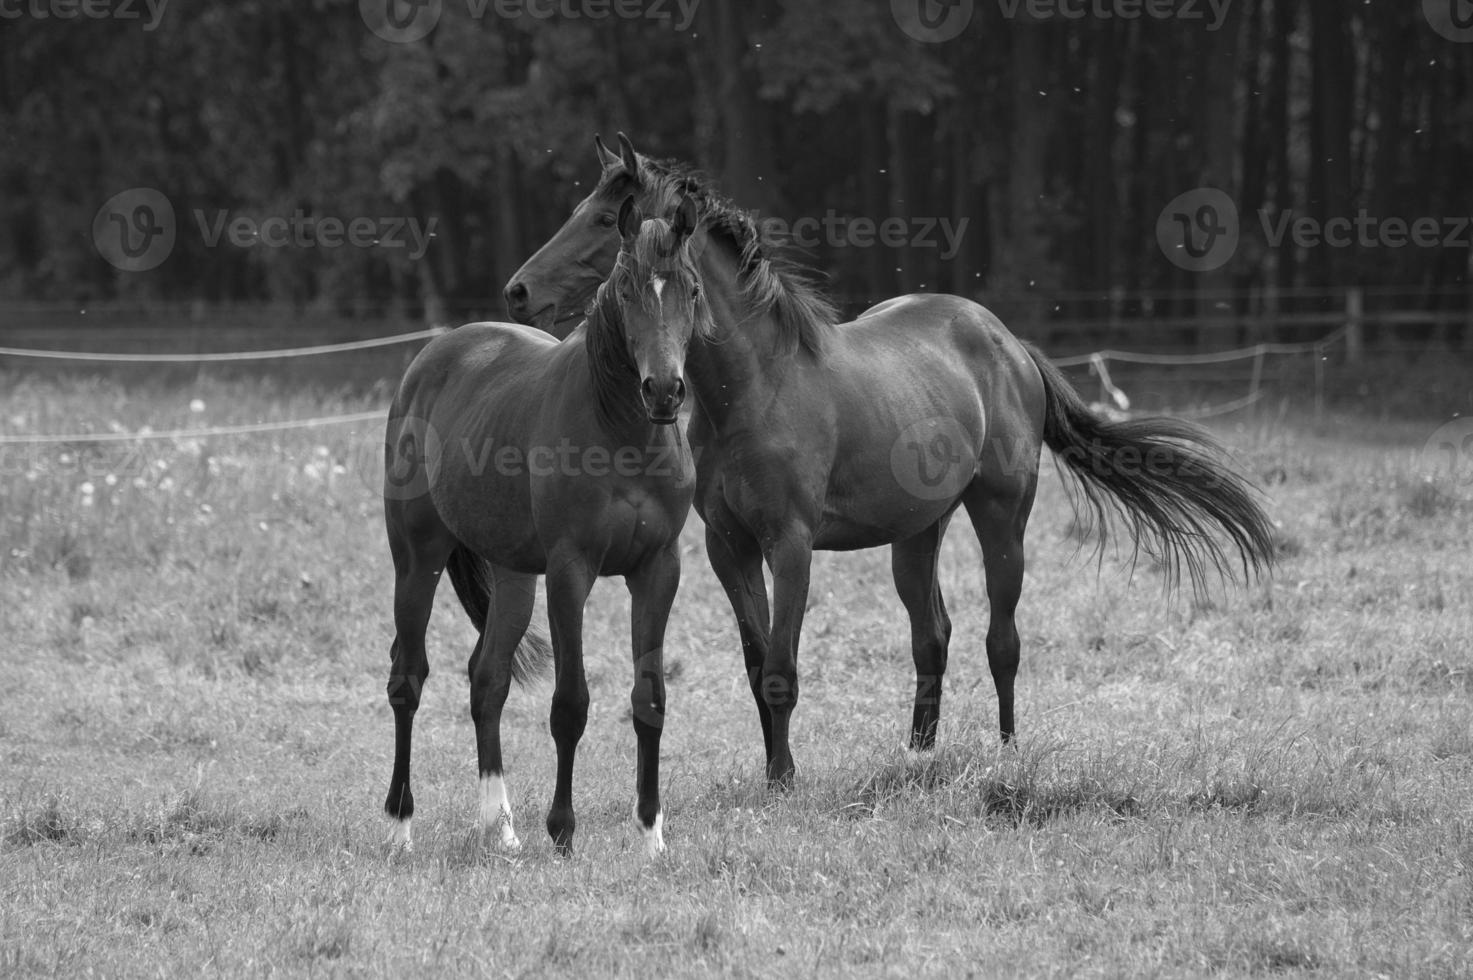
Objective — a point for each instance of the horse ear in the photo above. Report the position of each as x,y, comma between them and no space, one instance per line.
629,157
630,221
686,218
607,158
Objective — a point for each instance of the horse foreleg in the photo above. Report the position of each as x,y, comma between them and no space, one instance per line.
652,593
790,559
737,563
569,580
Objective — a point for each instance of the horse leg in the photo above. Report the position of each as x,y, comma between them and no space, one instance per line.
1000,521
419,557
737,563
790,558
512,599
652,593
913,564
569,580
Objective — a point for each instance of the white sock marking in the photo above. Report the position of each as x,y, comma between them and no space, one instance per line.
654,836
400,834
496,812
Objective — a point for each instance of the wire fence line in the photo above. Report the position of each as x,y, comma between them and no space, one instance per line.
203,433
250,355
1207,357
1097,361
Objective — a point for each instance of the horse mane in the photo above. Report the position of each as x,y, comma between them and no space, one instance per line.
610,368
771,279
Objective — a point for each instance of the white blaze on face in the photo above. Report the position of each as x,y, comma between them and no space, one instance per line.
654,836
496,811
400,835
659,283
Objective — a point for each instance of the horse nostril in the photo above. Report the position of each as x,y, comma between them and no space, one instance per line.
679,390
648,387
516,296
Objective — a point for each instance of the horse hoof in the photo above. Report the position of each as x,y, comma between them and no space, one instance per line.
506,843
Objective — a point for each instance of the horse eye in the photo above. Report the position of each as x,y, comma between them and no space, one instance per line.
606,220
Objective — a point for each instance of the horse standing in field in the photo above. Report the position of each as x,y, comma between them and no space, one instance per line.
816,435
510,455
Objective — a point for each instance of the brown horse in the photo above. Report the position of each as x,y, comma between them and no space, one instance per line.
509,456
811,435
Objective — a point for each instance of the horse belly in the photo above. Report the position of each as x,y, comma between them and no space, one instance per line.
839,532
897,487
491,517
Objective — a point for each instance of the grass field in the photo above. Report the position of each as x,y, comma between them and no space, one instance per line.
196,742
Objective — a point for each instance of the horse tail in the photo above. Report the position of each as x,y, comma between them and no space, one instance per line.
533,656
1168,479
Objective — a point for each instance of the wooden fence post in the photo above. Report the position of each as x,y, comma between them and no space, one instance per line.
1355,316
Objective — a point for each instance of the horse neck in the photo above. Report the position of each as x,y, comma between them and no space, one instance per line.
611,376
728,369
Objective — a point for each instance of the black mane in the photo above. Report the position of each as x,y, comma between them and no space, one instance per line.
772,281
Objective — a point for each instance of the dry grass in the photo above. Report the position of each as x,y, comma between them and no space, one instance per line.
196,742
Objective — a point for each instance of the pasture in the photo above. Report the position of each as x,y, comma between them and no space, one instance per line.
196,741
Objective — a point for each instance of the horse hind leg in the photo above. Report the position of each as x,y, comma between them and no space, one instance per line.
508,615
913,563
420,549
1000,520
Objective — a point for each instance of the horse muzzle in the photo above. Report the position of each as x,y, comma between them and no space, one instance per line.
662,400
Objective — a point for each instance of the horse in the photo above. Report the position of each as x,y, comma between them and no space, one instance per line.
810,434
510,455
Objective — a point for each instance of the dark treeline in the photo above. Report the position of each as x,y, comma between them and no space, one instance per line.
1058,141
